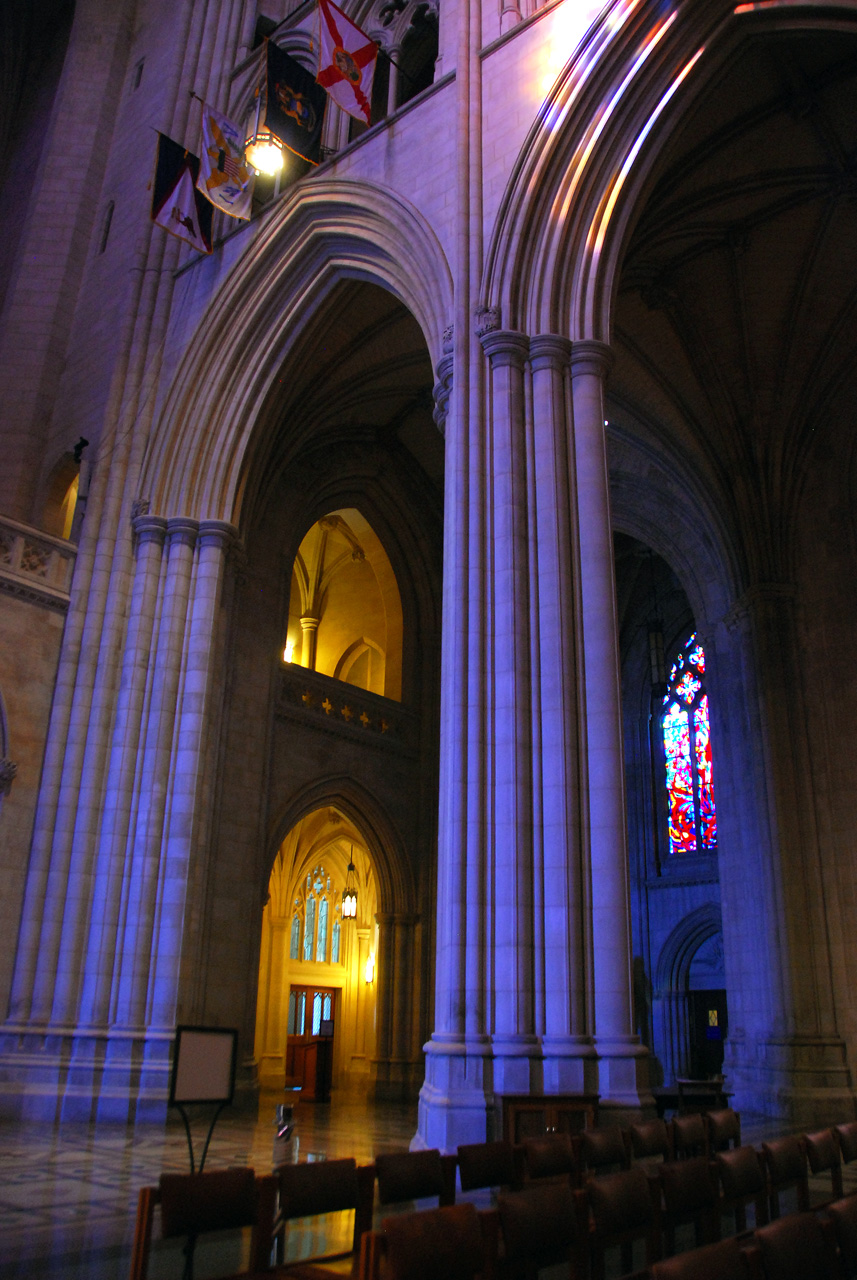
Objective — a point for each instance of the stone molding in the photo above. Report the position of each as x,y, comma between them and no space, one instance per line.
550,351
35,566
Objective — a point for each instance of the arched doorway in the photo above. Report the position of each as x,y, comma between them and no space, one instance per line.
689,1011
316,1011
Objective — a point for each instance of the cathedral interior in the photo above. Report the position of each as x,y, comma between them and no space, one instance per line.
470,531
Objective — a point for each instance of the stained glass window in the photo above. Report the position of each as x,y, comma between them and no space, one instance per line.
687,747
334,946
295,947
309,930
321,942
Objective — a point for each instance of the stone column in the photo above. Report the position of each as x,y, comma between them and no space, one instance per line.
150,533
784,1050
619,1050
566,1044
309,637
514,1042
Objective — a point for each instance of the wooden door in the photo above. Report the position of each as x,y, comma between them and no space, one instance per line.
309,1047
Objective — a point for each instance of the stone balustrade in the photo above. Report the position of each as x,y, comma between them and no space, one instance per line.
35,566
345,710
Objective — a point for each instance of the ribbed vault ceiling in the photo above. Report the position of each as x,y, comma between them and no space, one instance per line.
736,315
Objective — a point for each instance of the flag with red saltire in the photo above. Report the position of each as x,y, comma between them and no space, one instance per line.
346,63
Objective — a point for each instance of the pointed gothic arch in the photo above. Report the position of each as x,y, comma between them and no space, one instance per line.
221,412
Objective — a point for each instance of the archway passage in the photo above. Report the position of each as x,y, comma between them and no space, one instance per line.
331,698
345,611
316,1011
730,416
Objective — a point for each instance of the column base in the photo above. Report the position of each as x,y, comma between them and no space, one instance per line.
465,1078
84,1075
803,1080
623,1079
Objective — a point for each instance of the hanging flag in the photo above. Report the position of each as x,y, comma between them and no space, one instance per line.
346,63
294,105
176,204
224,177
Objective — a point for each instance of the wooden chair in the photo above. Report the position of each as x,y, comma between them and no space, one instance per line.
796,1247
721,1261
415,1175
690,1196
650,1140
723,1129
601,1151
453,1242
194,1204
487,1164
325,1186
822,1153
742,1181
689,1137
846,1136
843,1216
623,1208
785,1162
541,1225
551,1157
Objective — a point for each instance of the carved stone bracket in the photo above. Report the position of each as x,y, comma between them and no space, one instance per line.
487,320
8,770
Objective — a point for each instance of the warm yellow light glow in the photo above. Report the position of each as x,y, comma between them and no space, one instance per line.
349,904
264,152
369,972
288,652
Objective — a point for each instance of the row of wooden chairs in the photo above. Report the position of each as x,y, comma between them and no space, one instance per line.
723,1177
542,1225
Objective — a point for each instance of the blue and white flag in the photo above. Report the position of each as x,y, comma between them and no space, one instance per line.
224,177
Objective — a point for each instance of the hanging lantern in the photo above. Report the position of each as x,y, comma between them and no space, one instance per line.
262,149
349,893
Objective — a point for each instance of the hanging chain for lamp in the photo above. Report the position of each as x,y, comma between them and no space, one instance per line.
349,894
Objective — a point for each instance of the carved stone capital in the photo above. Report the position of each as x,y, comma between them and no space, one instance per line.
149,528
183,531
588,356
549,351
217,533
506,347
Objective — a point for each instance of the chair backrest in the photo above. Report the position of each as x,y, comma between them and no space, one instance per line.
785,1161
823,1152
843,1215
550,1156
796,1248
444,1242
649,1139
602,1148
721,1261
688,1136
539,1222
688,1186
621,1203
741,1173
486,1164
415,1175
324,1186
194,1204
846,1136
723,1127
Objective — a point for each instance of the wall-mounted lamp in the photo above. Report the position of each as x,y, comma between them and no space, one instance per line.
369,971
288,652
349,894
262,149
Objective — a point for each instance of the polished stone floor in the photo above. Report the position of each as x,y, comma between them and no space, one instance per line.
68,1194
